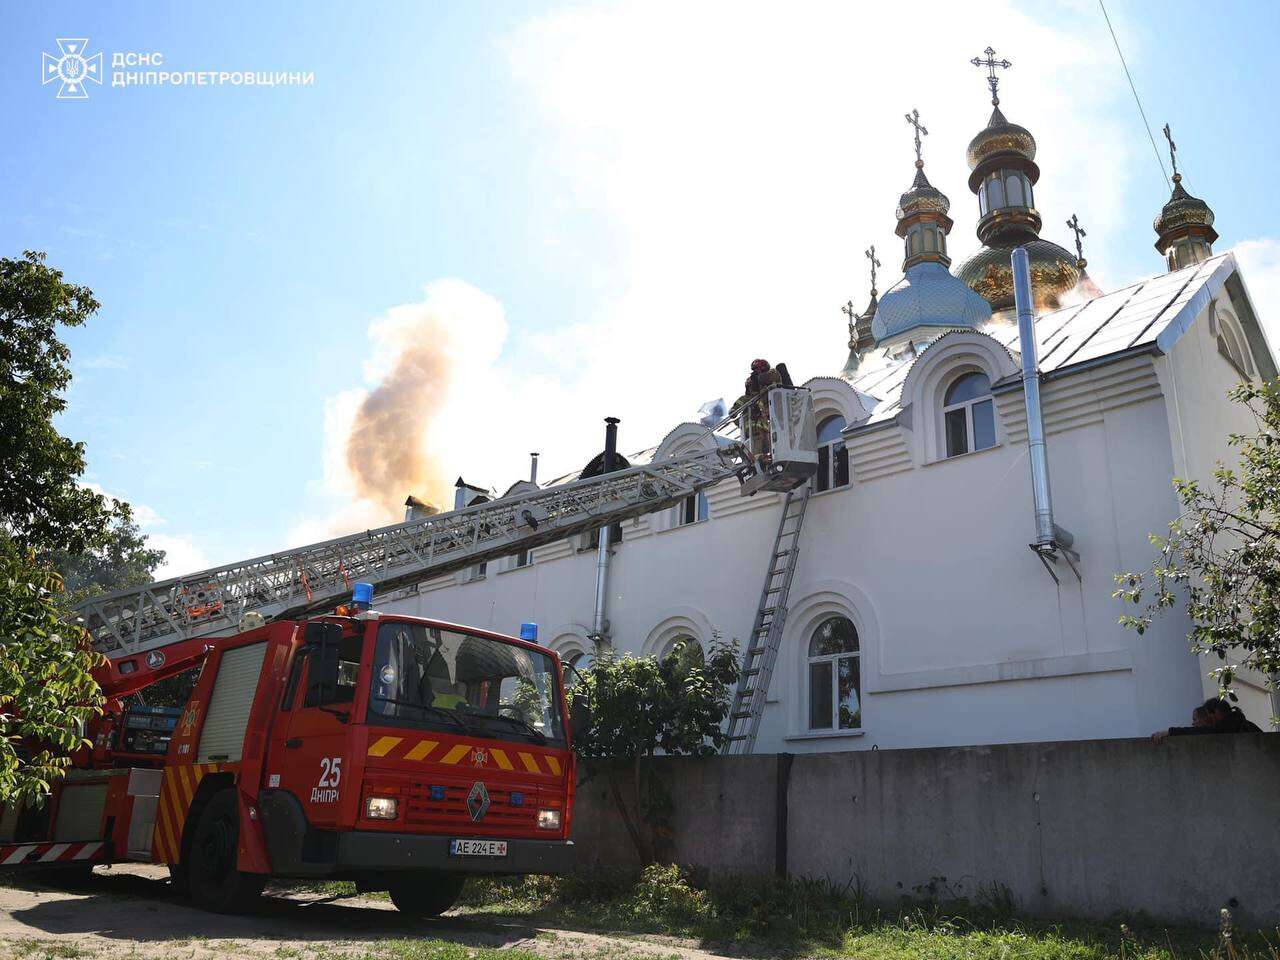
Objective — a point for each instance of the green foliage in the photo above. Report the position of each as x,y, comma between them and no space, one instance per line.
1222,554
50,522
120,558
47,692
644,705
43,505
768,915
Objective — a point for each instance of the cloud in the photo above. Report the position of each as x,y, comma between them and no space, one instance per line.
105,361
182,554
1260,266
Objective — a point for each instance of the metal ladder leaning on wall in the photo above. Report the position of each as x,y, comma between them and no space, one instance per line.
761,652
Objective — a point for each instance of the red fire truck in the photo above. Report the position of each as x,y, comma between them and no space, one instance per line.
399,752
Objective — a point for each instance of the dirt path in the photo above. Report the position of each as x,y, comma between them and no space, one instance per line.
129,912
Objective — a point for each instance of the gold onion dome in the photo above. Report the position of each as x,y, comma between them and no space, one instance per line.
1004,174
1184,210
989,273
1000,137
923,197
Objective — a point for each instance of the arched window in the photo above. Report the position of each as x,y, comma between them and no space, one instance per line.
580,661
1013,189
968,414
1231,344
995,193
930,240
833,458
835,684
1026,188
686,650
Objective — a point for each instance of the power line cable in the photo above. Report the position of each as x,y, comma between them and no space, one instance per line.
1136,98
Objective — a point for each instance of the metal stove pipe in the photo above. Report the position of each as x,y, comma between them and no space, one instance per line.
600,623
533,468
1046,538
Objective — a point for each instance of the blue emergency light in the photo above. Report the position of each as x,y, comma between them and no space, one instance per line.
362,595
529,631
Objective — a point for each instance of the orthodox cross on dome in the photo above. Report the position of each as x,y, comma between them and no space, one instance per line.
1173,154
871,255
991,63
849,311
1074,225
913,118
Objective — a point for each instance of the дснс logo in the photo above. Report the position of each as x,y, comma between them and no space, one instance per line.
73,69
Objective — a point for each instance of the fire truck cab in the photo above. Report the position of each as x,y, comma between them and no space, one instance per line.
399,752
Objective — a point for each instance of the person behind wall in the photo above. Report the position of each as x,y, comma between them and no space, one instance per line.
1215,715
753,407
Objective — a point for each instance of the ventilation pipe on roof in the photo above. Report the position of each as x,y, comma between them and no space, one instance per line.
1050,538
533,468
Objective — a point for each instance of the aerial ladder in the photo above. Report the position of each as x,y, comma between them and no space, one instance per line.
152,631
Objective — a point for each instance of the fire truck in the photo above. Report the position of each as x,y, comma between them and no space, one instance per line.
326,739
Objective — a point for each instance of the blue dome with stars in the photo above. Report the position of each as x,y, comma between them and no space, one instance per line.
928,296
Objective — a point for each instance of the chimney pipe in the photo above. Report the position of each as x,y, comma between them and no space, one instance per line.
1049,536
533,467
599,623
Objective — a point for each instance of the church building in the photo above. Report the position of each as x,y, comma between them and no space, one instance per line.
917,615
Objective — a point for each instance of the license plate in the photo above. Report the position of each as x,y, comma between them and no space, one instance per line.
477,848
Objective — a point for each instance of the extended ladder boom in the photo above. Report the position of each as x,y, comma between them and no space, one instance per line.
319,576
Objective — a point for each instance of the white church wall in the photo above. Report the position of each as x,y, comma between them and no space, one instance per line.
1196,378
965,638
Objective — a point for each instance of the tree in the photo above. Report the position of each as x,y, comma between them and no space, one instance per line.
42,503
640,706
1222,554
48,519
47,690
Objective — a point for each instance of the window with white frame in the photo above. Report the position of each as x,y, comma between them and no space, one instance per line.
835,681
833,458
968,415
692,509
523,559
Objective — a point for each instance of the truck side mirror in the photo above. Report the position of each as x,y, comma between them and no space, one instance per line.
321,641
579,714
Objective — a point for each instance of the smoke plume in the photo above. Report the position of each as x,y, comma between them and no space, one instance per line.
389,448
407,431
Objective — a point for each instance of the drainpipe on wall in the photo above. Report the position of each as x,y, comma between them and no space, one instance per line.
600,623
1050,538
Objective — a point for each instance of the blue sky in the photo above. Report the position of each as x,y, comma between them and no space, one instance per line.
634,200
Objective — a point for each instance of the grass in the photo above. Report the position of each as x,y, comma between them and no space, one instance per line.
815,918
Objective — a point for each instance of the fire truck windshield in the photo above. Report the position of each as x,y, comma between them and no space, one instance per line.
447,680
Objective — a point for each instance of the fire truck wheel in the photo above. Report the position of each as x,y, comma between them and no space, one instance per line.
212,878
426,894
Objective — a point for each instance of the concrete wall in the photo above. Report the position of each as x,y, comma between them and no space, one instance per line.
1084,829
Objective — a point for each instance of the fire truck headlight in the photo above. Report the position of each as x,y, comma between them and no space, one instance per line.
548,819
382,808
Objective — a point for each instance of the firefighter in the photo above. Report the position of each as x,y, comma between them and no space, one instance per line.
755,407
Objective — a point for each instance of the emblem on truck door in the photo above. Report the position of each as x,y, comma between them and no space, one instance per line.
478,801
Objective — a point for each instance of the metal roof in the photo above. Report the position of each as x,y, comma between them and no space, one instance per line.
1150,314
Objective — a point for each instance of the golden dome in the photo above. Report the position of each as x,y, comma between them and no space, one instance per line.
1182,212
1053,273
1000,136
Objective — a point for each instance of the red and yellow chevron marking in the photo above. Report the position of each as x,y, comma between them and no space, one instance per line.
417,750
176,792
